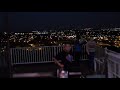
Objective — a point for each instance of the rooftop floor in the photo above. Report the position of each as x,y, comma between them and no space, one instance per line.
44,70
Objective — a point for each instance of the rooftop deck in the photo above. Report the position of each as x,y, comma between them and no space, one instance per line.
38,62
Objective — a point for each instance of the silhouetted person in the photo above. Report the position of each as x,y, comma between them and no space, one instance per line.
91,48
64,58
77,51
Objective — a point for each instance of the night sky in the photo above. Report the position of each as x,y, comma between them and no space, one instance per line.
3,21
25,21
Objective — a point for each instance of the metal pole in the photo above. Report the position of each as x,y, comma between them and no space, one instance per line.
106,63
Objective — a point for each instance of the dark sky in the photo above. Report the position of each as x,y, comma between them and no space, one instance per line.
24,21
3,21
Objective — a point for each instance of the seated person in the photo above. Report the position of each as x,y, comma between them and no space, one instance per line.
64,59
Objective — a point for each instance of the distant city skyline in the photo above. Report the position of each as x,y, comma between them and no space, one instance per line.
53,37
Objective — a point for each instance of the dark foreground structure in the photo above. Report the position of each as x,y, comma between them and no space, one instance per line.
38,62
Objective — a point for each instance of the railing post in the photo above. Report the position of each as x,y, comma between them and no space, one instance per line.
95,65
9,65
54,51
106,63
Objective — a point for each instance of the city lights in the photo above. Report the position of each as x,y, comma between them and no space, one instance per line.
37,38
32,45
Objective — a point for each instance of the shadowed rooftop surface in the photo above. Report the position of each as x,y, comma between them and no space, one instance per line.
46,69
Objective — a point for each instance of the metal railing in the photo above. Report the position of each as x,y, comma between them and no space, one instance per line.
104,59
43,54
100,61
100,65
113,64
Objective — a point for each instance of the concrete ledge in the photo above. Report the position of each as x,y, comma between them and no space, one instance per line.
75,73
95,76
27,75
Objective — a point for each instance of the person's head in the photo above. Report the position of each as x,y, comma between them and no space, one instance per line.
67,47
